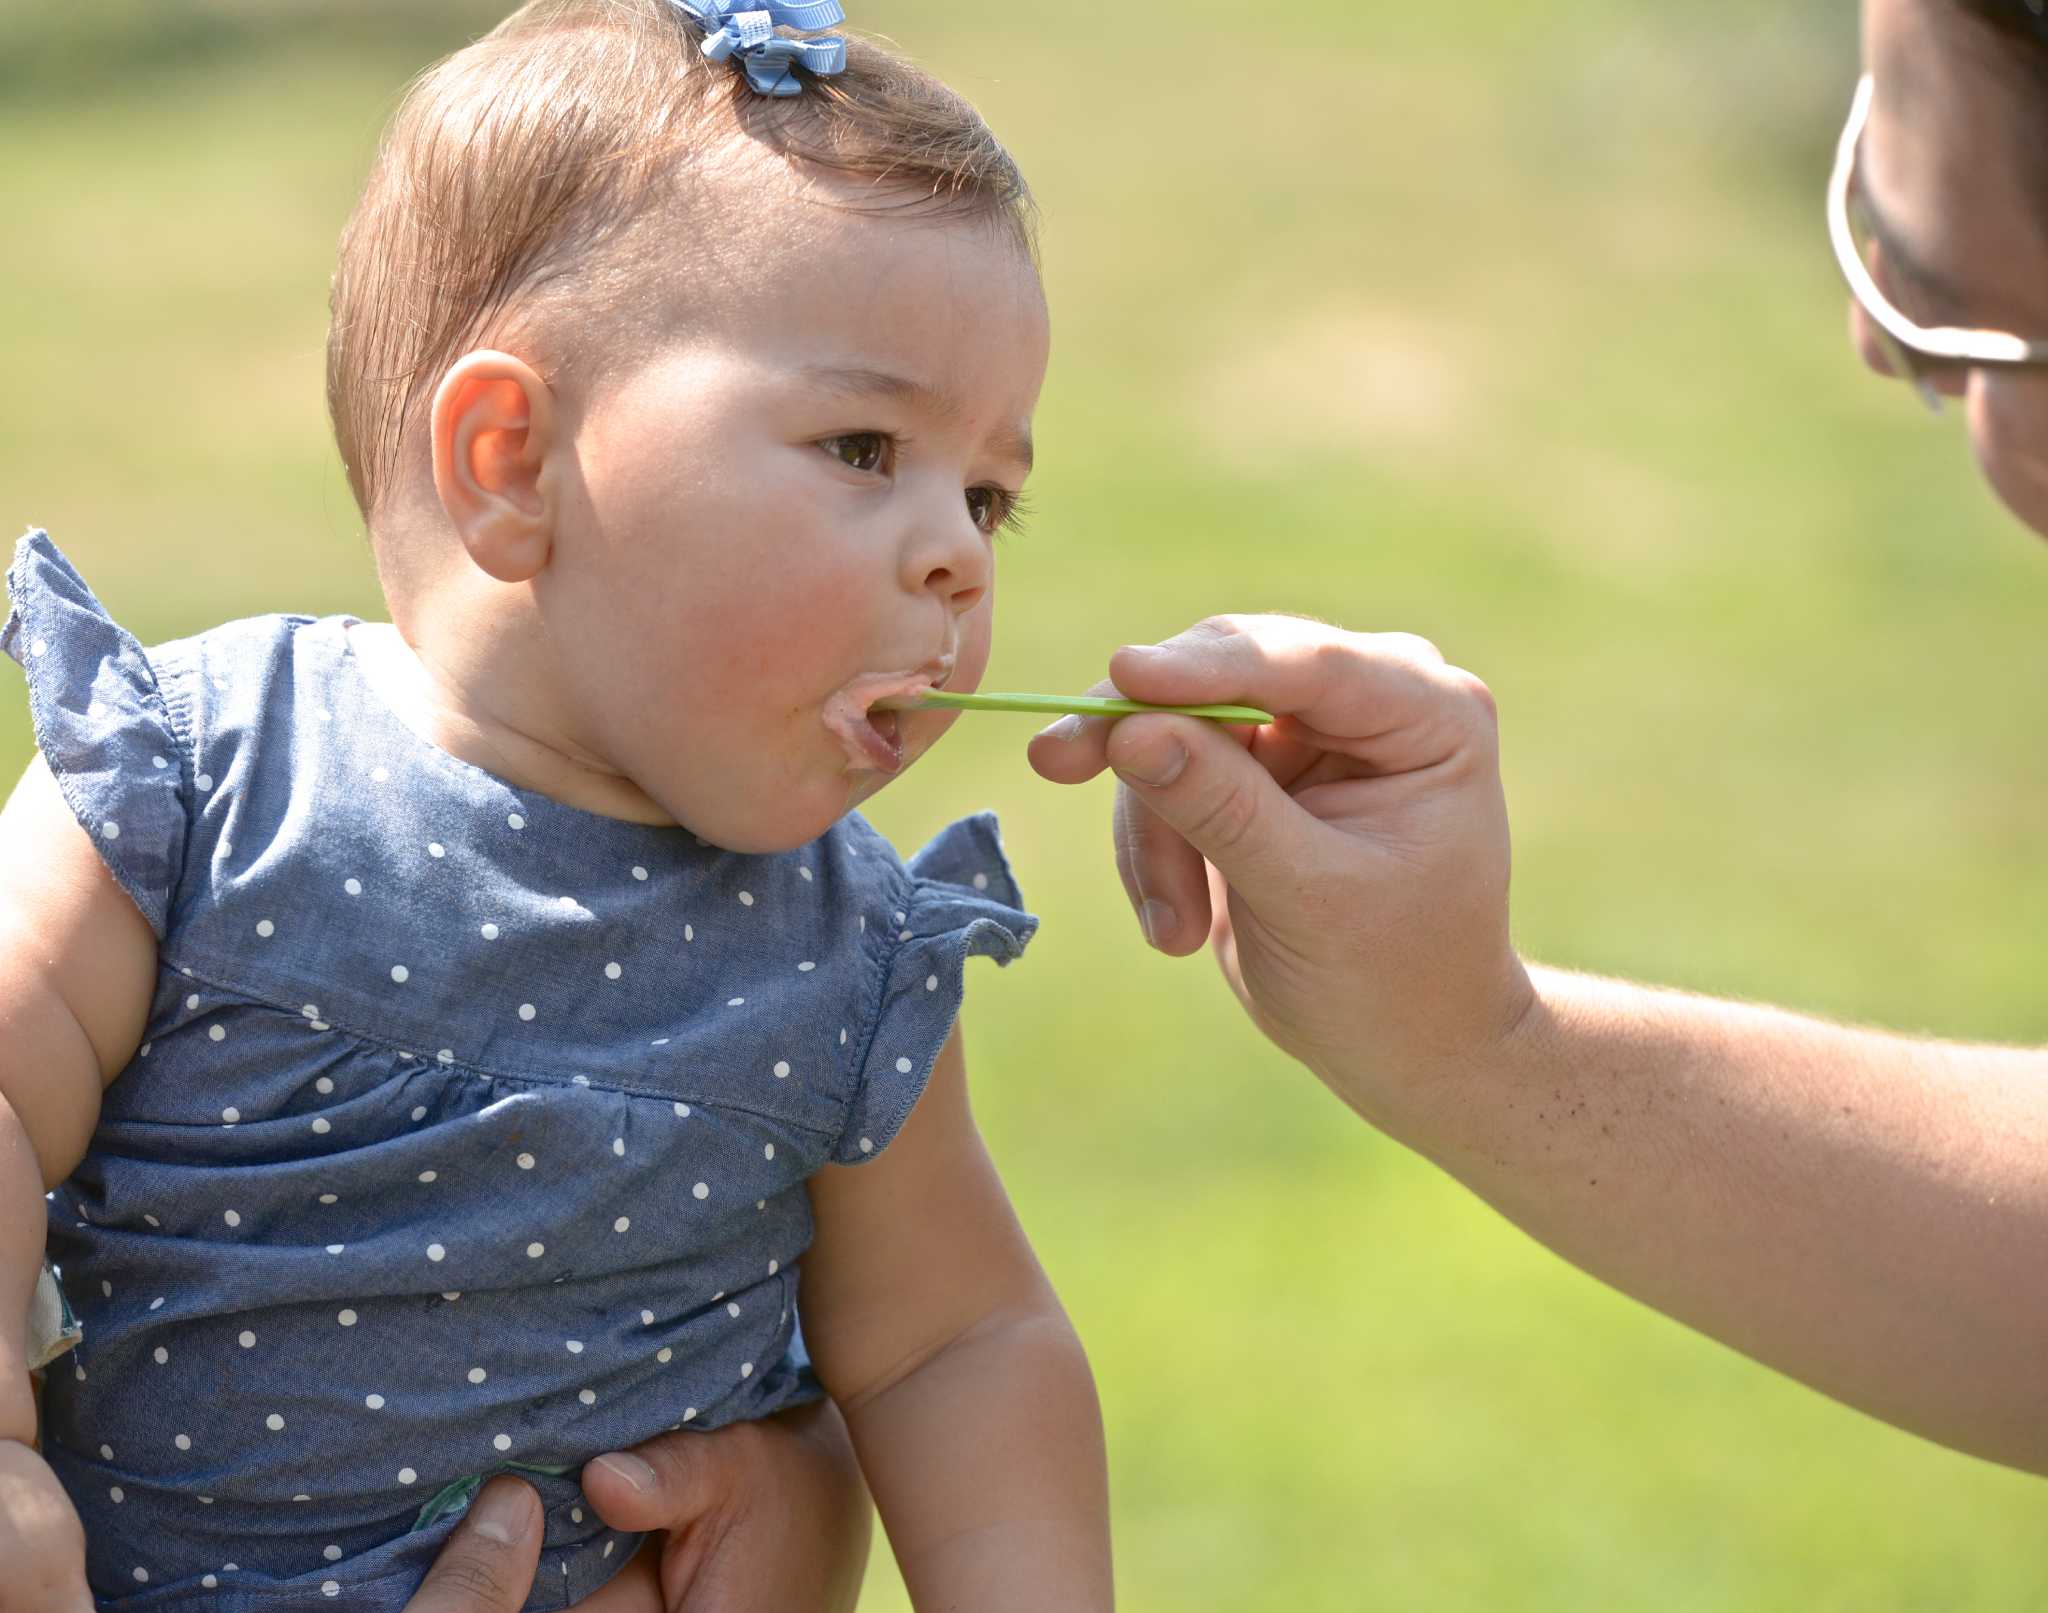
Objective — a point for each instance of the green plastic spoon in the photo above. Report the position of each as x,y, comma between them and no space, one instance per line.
1080,705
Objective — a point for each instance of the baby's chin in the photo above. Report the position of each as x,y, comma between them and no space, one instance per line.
799,816
864,784
918,732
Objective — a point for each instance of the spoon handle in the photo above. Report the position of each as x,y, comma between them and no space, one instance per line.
1078,704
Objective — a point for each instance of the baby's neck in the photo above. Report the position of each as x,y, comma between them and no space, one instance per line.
435,699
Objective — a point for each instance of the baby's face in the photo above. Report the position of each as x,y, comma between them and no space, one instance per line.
791,512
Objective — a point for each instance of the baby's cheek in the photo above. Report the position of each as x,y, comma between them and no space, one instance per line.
823,628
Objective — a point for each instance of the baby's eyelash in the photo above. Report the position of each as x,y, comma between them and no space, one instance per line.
996,511
1009,510
1017,511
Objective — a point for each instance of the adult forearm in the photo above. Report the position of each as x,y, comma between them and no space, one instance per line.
1863,1211
987,1466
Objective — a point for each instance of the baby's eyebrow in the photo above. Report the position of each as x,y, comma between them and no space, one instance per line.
855,381
852,381
1015,444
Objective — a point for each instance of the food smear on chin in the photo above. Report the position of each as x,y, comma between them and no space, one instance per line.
873,739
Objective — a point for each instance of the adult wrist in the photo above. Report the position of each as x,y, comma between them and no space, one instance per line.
1426,1092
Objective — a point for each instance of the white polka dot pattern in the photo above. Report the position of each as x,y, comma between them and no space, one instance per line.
630,1051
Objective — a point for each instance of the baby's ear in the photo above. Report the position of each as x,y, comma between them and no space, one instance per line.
493,438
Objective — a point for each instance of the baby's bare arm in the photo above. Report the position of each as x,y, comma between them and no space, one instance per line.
77,968
968,1394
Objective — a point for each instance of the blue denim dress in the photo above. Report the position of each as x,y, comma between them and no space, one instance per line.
470,1131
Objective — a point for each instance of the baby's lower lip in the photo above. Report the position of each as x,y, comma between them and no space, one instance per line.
872,738
881,738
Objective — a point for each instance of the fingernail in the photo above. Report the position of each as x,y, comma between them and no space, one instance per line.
501,1513
630,1468
1158,921
1068,727
1155,765
1143,651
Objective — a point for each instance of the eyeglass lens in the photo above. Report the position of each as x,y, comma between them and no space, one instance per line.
1915,370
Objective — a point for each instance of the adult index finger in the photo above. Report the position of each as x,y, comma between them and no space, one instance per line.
1381,697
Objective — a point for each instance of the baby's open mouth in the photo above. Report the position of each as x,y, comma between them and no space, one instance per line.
873,737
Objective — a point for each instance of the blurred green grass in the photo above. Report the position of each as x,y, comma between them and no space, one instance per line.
1512,326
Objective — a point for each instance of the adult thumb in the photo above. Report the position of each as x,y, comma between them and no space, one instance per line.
487,1565
1214,794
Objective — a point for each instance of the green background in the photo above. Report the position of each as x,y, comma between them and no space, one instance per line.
1513,326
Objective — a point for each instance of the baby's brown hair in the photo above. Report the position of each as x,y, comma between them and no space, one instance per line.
509,178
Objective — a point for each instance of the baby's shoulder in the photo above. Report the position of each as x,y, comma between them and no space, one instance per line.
959,875
82,660
963,865
125,730
252,675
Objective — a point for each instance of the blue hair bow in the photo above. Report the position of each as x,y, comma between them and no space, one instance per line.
747,30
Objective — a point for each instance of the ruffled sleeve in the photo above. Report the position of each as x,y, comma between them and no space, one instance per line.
959,901
101,724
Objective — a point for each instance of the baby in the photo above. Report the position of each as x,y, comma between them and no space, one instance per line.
446,1040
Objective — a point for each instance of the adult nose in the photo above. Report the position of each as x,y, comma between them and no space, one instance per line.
948,556
1931,378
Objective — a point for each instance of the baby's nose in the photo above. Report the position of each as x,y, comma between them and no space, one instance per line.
950,561
959,592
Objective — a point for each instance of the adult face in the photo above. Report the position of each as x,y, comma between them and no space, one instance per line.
1956,187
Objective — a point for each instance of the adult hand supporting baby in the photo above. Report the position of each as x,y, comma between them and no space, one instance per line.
487,1565
1846,1205
762,1517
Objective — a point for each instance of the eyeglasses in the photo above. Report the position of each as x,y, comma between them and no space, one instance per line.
1915,352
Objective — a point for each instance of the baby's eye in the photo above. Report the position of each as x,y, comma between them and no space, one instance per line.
859,450
993,508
